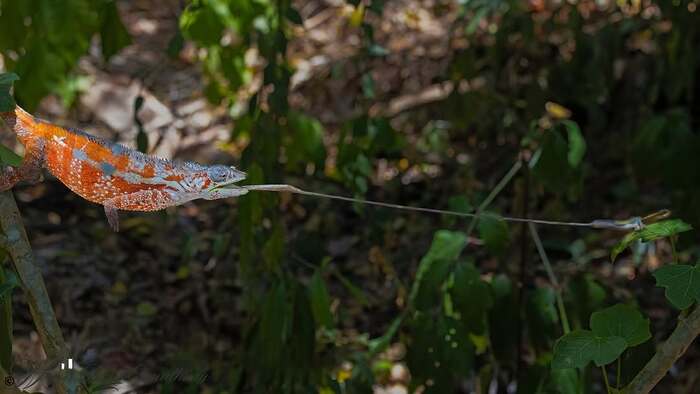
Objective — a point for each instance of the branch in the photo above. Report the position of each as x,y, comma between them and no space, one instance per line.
685,333
17,245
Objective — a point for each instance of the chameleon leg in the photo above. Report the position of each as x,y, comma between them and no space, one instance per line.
144,200
29,171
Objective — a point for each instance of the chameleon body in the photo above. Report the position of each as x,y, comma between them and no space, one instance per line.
110,174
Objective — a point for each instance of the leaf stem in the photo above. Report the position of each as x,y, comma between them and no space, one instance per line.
497,189
605,378
618,378
673,249
552,278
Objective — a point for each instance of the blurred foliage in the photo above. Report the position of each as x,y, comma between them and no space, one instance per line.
581,90
35,41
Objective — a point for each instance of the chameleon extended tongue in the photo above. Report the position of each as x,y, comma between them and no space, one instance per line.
635,223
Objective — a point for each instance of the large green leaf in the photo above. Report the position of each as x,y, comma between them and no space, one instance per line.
613,330
577,348
682,283
621,321
663,229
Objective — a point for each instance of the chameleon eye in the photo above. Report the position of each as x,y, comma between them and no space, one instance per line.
218,173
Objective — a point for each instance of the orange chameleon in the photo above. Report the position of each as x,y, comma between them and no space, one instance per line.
109,173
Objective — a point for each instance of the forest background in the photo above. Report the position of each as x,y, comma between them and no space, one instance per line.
565,110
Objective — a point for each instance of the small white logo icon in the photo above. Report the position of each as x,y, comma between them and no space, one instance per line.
70,364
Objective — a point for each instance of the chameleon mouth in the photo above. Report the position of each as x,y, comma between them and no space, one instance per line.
230,185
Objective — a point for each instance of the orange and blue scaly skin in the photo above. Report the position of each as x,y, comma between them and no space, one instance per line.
111,174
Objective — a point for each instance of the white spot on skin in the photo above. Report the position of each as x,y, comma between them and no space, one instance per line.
59,140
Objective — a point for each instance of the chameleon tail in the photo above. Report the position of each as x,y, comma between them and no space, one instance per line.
19,120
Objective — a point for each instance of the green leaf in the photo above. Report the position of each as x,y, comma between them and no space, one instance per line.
472,297
682,283
320,301
475,20
431,288
541,316
305,142
113,33
440,349
275,319
377,345
273,249
583,296
621,321
663,229
577,145
494,232
294,16
9,157
564,381
505,311
446,246
10,282
7,102
552,168
355,291
302,343
201,24
460,204
175,45
8,78
577,348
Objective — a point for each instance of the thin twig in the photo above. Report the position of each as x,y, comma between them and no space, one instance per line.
522,271
17,245
675,346
552,278
497,189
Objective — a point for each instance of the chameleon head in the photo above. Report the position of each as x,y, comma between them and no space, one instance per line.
221,181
